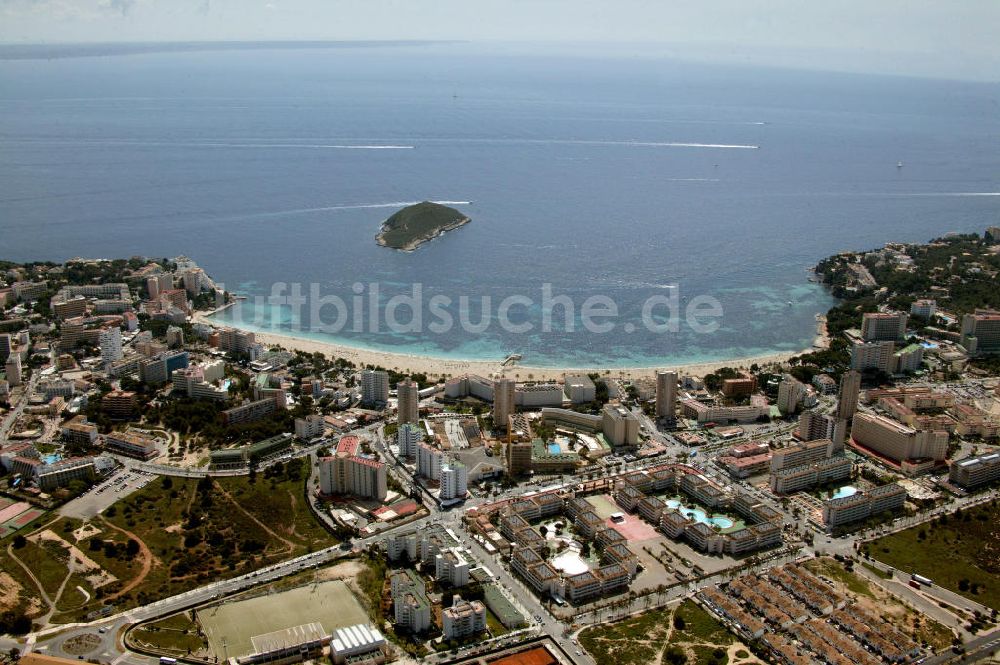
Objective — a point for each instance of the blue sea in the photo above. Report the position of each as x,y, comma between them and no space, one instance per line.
626,180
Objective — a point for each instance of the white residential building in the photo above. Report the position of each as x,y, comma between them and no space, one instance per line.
580,389
110,341
429,461
411,608
463,618
347,472
666,395
454,480
790,394
408,393
896,441
924,308
407,437
873,355
310,427
503,401
374,386
452,566
883,326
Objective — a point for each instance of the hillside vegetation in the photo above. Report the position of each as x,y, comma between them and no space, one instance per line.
416,224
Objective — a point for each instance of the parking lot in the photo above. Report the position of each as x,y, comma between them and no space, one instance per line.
116,486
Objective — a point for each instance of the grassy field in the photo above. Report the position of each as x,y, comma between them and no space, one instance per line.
836,571
178,634
18,596
48,563
493,624
960,552
881,602
174,535
658,636
198,531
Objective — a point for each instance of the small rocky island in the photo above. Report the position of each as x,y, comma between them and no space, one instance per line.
416,224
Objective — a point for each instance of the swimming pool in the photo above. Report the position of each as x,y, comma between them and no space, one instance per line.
846,490
699,515
51,459
554,448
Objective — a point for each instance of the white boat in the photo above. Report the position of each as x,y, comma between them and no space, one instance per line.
899,165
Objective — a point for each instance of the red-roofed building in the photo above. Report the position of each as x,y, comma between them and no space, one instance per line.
348,445
349,473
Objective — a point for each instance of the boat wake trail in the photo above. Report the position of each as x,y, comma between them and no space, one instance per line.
692,179
216,144
334,208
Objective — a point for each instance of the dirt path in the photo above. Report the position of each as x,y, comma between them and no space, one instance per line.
749,660
666,640
70,569
147,562
288,544
41,590
291,527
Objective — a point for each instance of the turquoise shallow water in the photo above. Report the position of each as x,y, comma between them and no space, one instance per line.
627,179
699,515
846,490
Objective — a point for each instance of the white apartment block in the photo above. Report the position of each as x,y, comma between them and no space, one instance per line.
873,355
924,308
620,426
791,391
452,567
110,341
883,326
463,618
429,461
981,331
310,427
863,505
580,389
454,480
806,452
374,386
796,478
975,472
409,401
666,395
411,608
407,437
236,342
503,401
897,441
470,385
346,472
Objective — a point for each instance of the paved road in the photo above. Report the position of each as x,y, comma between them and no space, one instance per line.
976,650
16,412
51,639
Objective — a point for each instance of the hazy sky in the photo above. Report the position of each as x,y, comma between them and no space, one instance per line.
955,38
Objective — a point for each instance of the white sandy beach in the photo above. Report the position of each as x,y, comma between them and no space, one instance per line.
445,367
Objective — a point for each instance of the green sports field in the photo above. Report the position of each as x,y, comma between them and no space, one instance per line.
230,626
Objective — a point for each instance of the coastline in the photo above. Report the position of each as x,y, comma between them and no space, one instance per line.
445,367
417,242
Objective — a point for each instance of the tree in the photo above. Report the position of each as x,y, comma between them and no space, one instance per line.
679,623
132,548
19,541
674,656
